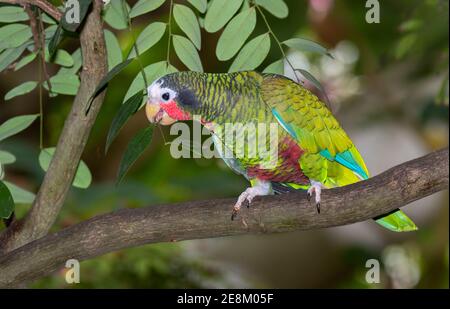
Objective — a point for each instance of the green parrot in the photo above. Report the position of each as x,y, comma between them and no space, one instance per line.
313,152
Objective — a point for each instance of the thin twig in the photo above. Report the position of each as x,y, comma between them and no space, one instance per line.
42,49
33,25
44,5
130,30
169,25
36,31
269,29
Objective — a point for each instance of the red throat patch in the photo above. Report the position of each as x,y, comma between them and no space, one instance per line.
174,112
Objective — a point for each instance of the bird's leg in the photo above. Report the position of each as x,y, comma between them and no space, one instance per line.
315,187
258,188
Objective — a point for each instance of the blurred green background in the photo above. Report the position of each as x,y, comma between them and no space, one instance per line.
389,89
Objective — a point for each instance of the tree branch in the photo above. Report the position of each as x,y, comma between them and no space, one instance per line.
394,188
44,5
34,26
73,138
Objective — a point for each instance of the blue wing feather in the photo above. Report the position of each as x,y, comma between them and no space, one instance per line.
285,125
346,159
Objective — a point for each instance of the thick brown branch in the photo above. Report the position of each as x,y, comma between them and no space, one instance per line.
72,140
206,219
44,5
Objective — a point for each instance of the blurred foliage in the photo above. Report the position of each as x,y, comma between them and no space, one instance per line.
152,266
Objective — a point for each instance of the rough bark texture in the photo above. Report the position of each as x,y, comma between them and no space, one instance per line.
73,138
206,219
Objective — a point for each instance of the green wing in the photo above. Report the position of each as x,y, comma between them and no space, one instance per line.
312,125
330,156
305,116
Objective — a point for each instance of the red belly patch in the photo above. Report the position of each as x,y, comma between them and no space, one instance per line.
288,168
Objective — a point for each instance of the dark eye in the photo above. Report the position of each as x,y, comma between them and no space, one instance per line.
166,96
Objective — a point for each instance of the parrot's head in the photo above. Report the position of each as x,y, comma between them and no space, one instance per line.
172,98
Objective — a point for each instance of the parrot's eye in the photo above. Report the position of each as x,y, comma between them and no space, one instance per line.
165,96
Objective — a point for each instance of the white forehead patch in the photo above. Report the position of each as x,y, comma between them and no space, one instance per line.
155,91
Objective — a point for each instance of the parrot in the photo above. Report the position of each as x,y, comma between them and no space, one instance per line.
313,151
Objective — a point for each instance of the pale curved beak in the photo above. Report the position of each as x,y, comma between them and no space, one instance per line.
155,114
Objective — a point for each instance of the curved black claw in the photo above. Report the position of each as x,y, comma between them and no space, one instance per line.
234,213
318,207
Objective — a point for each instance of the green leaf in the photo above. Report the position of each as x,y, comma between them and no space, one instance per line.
64,84
306,45
15,125
50,31
83,176
112,49
443,97
411,25
127,109
105,80
219,13
56,39
252,54
235,34
19,195
20,90
6,201
187,53
405,44
6,158
186,19
312,79
134,149
276,67
245,6
69,25
200,5
116,16
10,14
145,6
14,35
275,7
10,55
48,19
152,72
171,69
24,61
61,57
148,37
77,62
